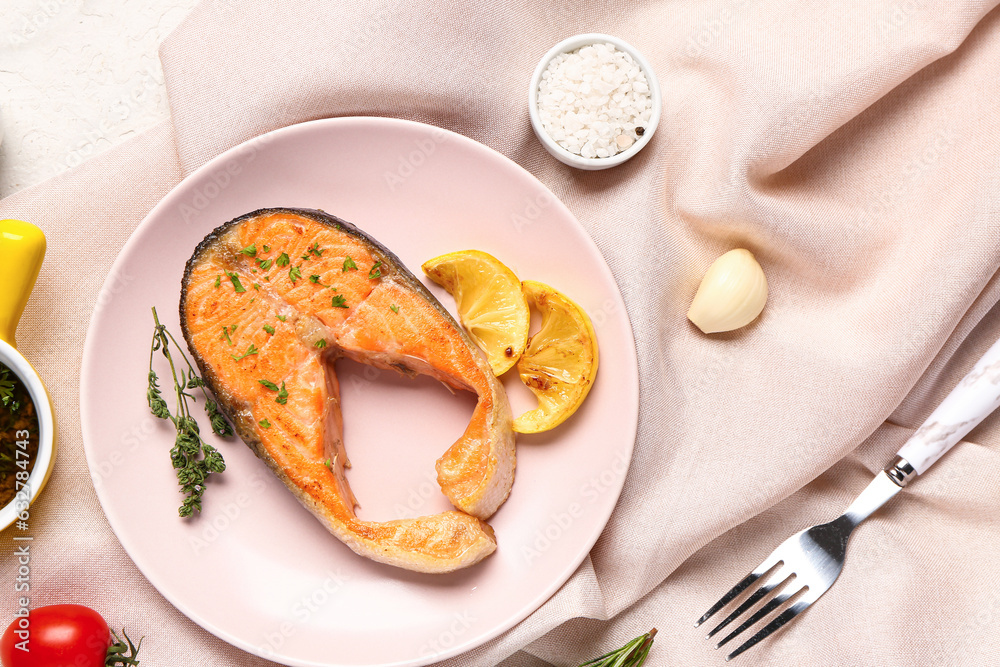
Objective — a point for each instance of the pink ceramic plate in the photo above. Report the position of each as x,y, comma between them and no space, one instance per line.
255,568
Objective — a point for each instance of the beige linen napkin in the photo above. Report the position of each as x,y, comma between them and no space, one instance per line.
852,147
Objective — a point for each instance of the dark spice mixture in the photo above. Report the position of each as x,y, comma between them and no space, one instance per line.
17,413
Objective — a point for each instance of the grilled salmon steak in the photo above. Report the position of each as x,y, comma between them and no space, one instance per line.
269,301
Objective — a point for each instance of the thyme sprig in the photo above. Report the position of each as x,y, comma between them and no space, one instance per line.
632,654
192,457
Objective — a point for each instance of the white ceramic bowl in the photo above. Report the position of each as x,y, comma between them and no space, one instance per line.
45,459
566,156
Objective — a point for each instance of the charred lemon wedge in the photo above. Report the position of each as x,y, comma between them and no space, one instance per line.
560,362
491,305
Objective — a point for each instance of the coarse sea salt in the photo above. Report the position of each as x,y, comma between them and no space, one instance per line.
594,101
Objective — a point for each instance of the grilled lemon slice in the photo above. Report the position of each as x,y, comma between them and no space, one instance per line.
560,362
490,303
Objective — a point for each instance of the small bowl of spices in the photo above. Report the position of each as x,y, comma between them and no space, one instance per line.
27,423
594,101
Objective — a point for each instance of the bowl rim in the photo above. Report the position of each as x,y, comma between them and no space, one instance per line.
44,412
571,44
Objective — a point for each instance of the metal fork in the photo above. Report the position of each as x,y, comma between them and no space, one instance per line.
805,565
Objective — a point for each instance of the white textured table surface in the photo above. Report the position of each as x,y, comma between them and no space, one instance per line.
76,78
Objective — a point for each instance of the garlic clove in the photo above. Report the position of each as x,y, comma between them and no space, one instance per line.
731,295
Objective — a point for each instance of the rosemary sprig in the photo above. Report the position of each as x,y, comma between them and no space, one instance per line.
122,654
632,654
192,457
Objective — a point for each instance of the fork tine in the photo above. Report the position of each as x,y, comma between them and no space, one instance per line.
728,597
777,578
762,570
783,617
781,598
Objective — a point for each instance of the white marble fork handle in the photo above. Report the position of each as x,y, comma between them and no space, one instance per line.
977,395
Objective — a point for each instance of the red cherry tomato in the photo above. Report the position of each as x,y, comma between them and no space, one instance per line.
60,635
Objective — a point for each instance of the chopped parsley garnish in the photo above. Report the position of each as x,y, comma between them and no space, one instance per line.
218,281
321,343
256,286
264,423
236,282
394,308
314,249
349,264
281,317
339,302
250,250
225,333
269,329
329,464
314,279
282,393
250,350
375,271
283,260
294,273
266,248
265,264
